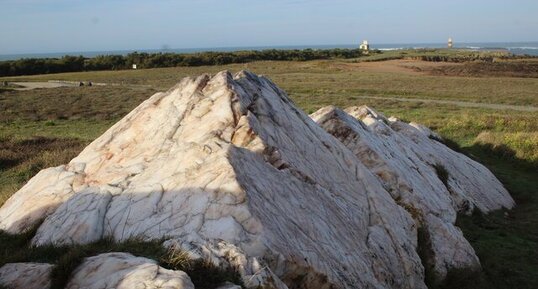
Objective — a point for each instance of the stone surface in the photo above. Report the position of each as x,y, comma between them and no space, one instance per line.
229,285
38,198
125,271
407,158
25,275
229,170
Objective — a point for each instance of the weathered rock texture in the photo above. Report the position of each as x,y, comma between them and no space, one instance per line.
229,285
228,169
25,275
423,175
125,271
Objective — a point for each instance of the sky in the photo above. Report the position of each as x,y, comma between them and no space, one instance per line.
45,26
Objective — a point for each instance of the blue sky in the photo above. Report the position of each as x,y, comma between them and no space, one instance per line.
28,26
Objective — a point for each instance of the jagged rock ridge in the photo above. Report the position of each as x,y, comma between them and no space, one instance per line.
228,169
430,180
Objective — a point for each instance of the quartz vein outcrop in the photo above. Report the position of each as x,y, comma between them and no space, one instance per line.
228,169
430,180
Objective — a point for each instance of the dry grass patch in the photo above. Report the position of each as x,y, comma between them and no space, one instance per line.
21,159
520,145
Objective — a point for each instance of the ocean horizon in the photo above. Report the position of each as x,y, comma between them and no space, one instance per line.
518,48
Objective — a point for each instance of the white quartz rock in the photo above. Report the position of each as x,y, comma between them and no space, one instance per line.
37,199
407,158
446,248
25,275
231,159
90,206
125,271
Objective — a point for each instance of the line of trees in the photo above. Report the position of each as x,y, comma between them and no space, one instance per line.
29,66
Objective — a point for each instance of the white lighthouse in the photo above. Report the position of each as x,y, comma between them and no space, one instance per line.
364,45
450,42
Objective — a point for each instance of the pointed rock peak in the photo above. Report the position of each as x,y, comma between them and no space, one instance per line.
363,111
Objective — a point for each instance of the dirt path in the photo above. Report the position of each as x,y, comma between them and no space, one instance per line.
459,103
33,85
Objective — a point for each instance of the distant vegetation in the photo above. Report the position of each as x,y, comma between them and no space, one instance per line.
32,66
444,55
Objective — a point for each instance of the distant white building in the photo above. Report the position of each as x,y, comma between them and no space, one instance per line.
450,42
134,66
364,45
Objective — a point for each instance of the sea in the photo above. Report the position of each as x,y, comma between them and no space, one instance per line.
518,48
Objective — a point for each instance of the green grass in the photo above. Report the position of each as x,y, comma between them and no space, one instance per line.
454,55
316,83
43,128
88,103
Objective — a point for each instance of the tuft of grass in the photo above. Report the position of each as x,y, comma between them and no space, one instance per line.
425,253
176,258
442,173
203,273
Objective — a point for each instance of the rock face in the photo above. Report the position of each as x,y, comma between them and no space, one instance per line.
38,198
125,271
424,176
25,275
228,169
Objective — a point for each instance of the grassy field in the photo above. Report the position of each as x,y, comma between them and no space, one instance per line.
316,83
47,127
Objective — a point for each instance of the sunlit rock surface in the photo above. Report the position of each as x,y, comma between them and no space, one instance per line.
431,181
125,271
229,170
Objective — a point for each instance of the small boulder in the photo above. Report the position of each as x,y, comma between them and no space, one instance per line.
125,271
25,275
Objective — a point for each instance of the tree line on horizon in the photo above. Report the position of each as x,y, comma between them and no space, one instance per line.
32,66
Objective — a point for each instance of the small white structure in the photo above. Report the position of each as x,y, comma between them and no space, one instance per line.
450,42
364,45
134,66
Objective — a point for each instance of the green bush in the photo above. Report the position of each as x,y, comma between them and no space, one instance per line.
30,66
